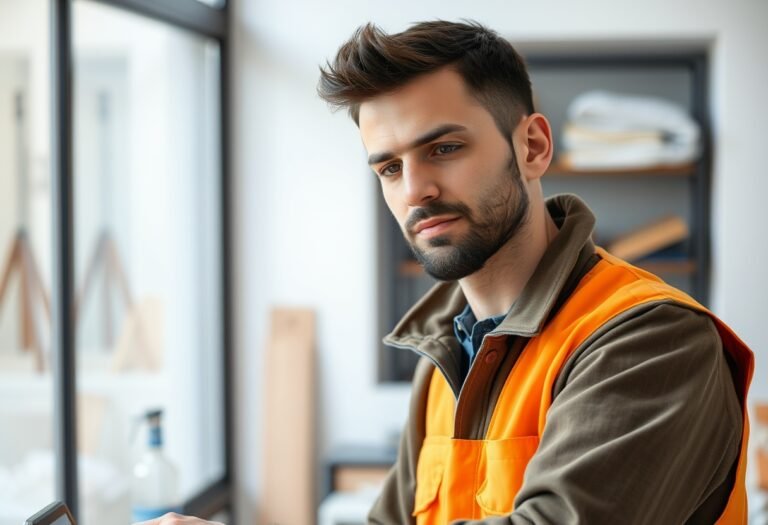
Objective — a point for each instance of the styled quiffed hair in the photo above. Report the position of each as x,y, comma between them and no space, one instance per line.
372,63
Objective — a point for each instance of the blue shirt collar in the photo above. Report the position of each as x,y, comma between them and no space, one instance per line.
470,332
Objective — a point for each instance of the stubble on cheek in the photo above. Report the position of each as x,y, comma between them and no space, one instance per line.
501,212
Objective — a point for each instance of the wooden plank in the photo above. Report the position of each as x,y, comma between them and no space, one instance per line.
353,478
761,421
289,427
561,169
649,238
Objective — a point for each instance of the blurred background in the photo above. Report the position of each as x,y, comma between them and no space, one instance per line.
227,260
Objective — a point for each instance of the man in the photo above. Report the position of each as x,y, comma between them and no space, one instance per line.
557,383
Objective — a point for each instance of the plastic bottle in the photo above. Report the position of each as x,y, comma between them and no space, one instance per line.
155,478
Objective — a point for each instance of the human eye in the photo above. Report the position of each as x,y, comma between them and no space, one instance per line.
390,169
445,149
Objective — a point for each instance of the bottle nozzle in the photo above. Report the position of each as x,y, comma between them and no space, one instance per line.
154,418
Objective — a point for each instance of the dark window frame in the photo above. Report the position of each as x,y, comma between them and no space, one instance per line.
202,20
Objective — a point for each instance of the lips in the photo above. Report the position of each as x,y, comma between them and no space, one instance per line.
432,223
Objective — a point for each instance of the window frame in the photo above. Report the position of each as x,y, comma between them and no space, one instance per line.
202,20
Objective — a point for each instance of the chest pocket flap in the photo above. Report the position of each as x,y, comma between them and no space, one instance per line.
506,460
429,472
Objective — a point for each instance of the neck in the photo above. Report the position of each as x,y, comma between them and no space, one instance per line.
492,290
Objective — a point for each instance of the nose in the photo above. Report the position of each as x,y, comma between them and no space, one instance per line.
420,184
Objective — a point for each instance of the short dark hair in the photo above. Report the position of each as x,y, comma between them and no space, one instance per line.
373,63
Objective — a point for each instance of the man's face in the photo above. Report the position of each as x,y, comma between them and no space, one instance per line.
448,175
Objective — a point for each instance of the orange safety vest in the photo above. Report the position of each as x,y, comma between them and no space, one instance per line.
492,469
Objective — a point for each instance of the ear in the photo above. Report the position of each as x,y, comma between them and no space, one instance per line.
532,139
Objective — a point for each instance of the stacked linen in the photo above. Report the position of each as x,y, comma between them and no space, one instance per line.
608,130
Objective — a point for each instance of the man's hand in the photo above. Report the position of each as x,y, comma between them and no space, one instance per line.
177,519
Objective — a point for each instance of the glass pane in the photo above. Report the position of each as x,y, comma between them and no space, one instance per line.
27,467
148,250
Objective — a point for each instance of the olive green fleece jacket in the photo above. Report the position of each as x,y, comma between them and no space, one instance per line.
611,451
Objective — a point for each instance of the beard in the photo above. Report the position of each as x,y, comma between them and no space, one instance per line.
502,212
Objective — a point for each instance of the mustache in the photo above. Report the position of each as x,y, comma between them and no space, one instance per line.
433,209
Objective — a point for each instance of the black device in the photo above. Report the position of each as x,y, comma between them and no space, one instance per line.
57,513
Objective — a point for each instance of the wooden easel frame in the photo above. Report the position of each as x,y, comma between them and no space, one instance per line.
21,261
106,259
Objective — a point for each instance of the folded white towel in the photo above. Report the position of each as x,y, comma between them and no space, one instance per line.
605,111
624,157
608,129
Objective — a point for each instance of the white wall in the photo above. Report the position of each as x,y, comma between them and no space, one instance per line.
304,200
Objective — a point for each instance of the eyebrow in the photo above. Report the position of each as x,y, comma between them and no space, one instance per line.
427,137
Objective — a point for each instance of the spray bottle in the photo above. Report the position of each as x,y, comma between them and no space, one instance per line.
155,478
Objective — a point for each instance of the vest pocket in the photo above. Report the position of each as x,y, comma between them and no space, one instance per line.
506,460
429,472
